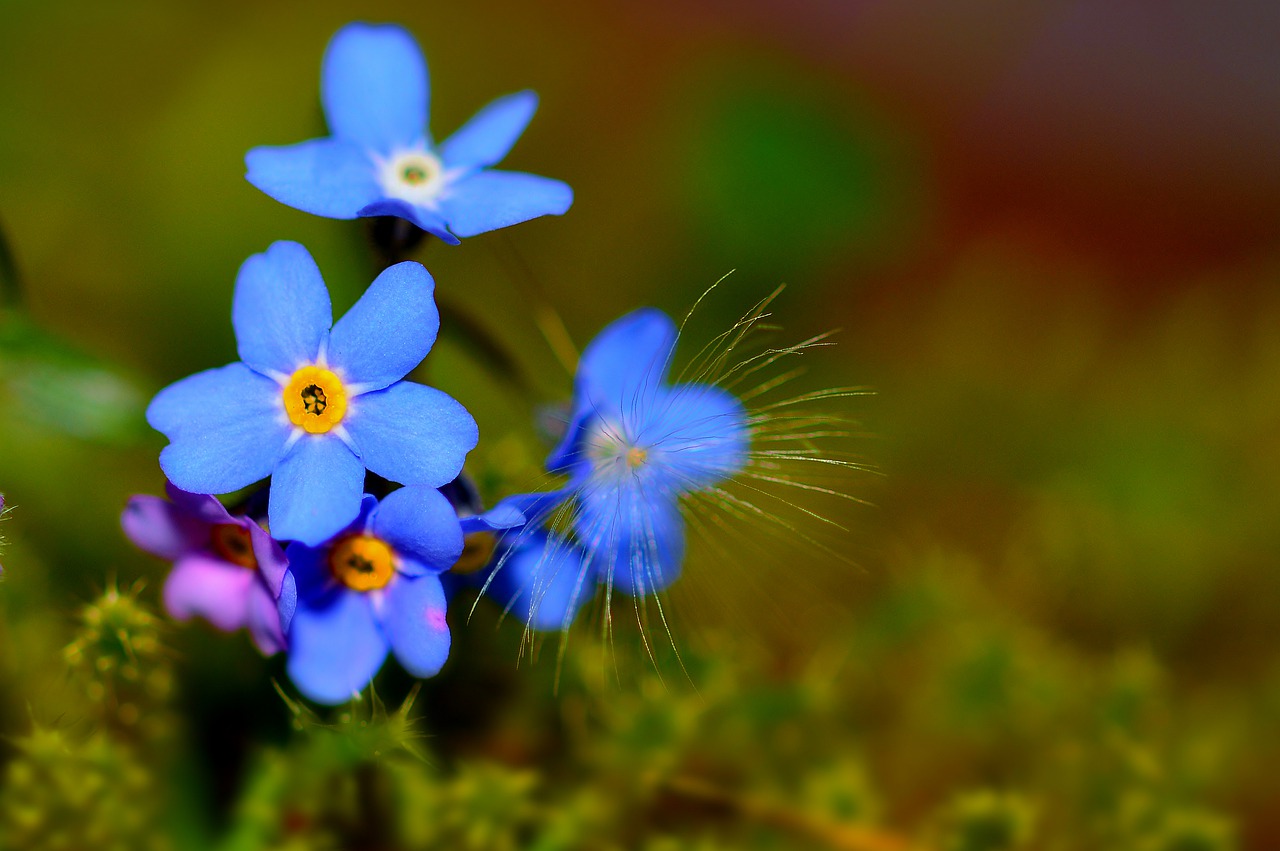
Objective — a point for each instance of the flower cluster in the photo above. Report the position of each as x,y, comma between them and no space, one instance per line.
364,523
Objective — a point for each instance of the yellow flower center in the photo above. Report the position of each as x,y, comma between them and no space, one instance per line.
315,399
232,544
362,562
477,549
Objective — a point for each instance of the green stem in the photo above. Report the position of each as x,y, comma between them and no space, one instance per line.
544,315
394,240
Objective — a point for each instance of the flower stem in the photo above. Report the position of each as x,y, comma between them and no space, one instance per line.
544,315
394,239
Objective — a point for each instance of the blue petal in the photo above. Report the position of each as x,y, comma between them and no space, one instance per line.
486,138
226,425
315,490
413,618
504,515
389,330
324,177
309,577
412,434
335,648
544,581
488,200
374,87
287,604
280,309
696,435
420,216
532,509
629,358
420,523
635,537
620,371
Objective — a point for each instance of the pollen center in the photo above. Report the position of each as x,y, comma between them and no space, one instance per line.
315,399
613,452
362,562
232,544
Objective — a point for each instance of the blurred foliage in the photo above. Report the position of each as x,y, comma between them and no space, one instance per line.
934,722
99,780
54,385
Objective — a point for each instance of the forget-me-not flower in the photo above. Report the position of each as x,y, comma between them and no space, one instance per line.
370,589
311,407
539,576
380,160
226,570
634,446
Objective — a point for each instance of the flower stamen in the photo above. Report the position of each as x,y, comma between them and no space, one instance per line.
233,544
415,176
315,399
362,562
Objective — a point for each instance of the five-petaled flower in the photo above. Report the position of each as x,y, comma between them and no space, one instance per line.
380,160
372,587
226,569
313,408
634,446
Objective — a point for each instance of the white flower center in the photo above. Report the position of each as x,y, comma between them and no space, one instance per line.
612,452
415,176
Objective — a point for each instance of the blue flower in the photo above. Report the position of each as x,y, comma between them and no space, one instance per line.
542,578
370,589
311,407
634,446
380,160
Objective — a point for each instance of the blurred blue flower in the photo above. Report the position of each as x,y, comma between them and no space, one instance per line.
540,577
371,588
634,446
380,160
313,408
226,570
